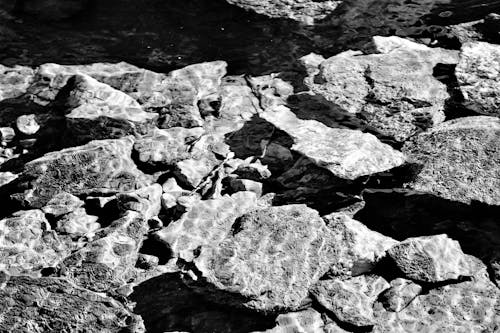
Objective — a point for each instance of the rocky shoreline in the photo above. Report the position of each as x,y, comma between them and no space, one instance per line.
360,193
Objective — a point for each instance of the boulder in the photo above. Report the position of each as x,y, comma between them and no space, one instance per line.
99,166
459,160
478,75
430,259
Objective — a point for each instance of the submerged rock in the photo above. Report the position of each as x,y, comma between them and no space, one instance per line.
459,160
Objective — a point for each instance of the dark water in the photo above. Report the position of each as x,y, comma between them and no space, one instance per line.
165,34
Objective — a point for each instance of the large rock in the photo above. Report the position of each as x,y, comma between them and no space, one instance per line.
346,153
269,260
459,160
478,75
307,11
27,243
14,81
351,300
56,305
205,223
431,259
395,90
97,111
101,165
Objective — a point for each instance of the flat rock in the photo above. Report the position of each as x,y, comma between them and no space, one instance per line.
205,223
430,259
478,75
346,153
101,165
14,81
351,300
401,293
459,160
27,243
269,260
56,305
394,91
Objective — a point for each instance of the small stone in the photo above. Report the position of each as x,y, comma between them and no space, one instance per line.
27,124
246,185
7,134
147,262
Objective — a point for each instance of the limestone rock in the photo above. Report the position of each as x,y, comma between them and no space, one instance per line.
56,305
351,300
270,259
14,81
163,148
78,224
27,243
400,294
109,260
361,248
101,165
95,110
303,321
303,11
478,75
346,153
62,203
430,259
394,91
205,223
459,160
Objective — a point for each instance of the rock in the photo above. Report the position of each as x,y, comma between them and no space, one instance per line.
361,248
27,124
237,185
52,304
101,165
430,259
109,260
14,81
254,171
269,260
62,203
162,148
27,243
95,110
303,321
395,91
7,177
78,224
191,172
351,301
346,153
7,134
459,160
145,261
171,192
205,223
303,11
204,77
146,201
400,294
478,75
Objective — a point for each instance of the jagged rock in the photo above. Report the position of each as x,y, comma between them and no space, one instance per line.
78,223
269,259
62,203
238,184
101,165
27,243
400,294
346,153
204,77
163,148
478,75
56,305
109,260
95,110
361,247
14,81
303,11
303,321
430,259
191,172
459,160
463,307
146,201
395,91
205,223
351,300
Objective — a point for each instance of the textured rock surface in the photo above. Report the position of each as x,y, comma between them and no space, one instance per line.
303,321
103,165
478,75
395,90
401,293
14,81
460,160
430,259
